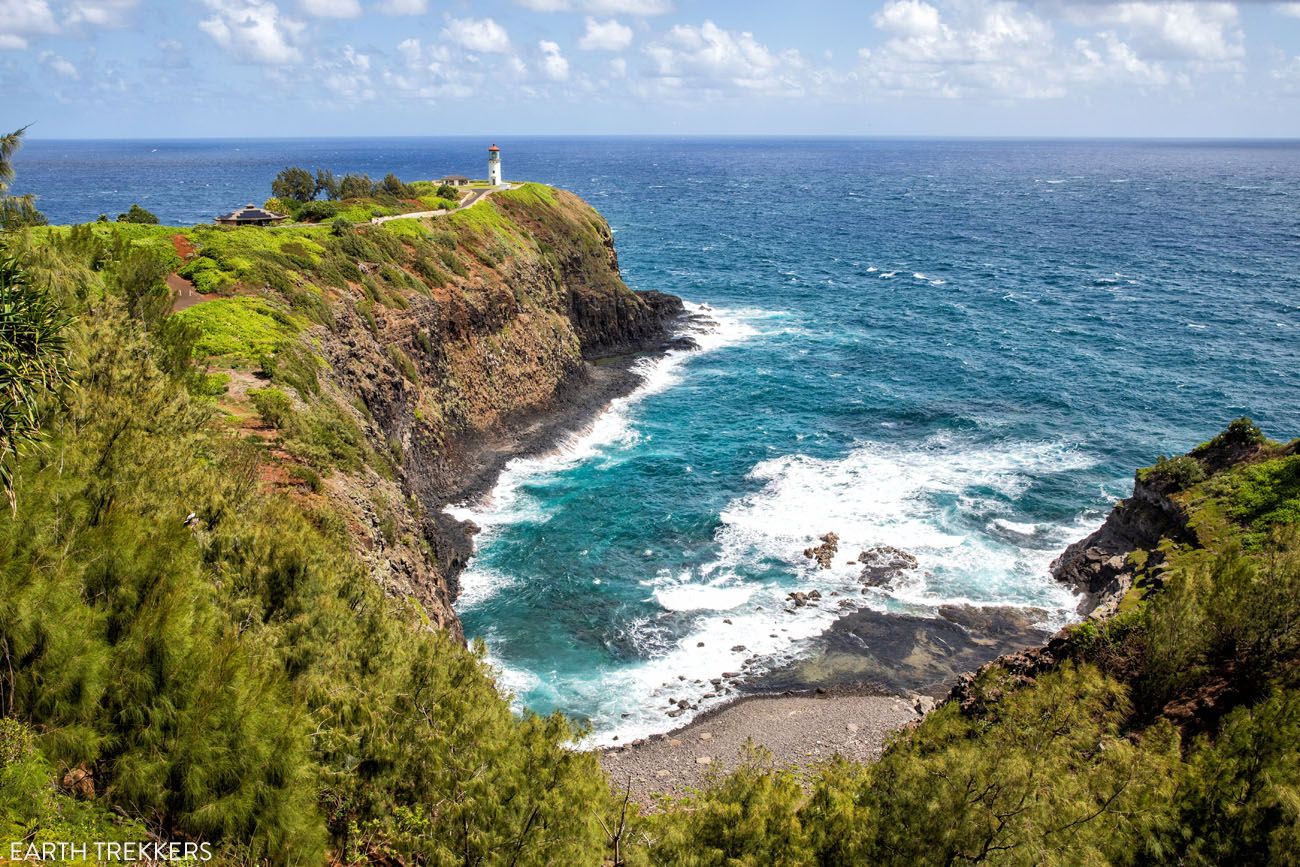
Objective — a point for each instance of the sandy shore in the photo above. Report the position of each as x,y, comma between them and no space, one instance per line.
799,731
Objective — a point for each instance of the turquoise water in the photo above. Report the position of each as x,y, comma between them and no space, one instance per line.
962,349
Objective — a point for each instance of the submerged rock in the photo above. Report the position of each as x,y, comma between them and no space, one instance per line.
883,563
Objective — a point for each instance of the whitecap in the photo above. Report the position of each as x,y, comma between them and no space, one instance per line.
508,503
700,597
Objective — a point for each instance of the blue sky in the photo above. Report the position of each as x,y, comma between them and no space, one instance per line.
182,68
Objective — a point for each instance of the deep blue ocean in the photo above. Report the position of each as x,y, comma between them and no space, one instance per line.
959,348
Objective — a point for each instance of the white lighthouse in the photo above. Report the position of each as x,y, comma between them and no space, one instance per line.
494,166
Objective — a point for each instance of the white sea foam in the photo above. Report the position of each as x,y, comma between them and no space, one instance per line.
610,431
699,597
1017,527
876,494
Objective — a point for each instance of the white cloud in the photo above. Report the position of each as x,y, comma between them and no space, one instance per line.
1171,30
1113,62
554,66
1287,76
1292,9
404,7
331,8
348,75
478,34
101,13
61,65
908,18
629,7
994,48
618,67
22,18
1000,49
712,59
605,35
410,51
253,30
601,7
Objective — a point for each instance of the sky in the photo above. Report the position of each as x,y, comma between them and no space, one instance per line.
254,68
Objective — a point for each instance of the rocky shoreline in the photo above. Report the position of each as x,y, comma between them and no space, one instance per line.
872,673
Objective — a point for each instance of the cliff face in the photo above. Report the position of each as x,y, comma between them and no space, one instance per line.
1098,566
1179,507
449,344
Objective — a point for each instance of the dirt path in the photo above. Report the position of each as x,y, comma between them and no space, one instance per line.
475,197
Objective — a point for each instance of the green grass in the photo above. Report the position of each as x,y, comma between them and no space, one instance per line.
1260,496
240,330
531,194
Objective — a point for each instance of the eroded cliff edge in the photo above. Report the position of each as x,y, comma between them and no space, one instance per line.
407,361
1234,493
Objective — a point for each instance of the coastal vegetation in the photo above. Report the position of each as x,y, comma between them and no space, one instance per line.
137,214
322,197
15,211
202,638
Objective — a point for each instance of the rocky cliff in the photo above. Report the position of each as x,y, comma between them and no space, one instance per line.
1179,506
432,349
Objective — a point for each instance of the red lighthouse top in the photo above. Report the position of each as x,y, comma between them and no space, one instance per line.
494,149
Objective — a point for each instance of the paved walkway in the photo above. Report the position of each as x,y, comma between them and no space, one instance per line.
475,197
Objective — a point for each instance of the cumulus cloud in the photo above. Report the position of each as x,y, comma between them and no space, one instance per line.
995,47
605,35
60,65
1171,30
347,76
629,7
1292,9
553,64
20,19
331,8
101,13
643,8
404,7
713,59
478,34
254,31
908,18
1004,50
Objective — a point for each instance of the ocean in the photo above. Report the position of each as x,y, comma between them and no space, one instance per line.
958,348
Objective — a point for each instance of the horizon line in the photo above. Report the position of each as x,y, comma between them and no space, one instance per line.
688,136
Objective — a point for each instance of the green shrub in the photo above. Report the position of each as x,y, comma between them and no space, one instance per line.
327,438
316,212
242,330
273,405
308,477
295,184
1240,432
137,214
404,363
1178,473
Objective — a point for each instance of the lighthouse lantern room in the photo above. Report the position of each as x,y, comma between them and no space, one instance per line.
494,166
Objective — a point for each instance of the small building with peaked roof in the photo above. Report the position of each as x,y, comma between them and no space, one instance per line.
251,215
454,180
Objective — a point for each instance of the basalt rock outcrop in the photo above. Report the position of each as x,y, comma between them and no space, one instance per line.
451,345
883,564
824,553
